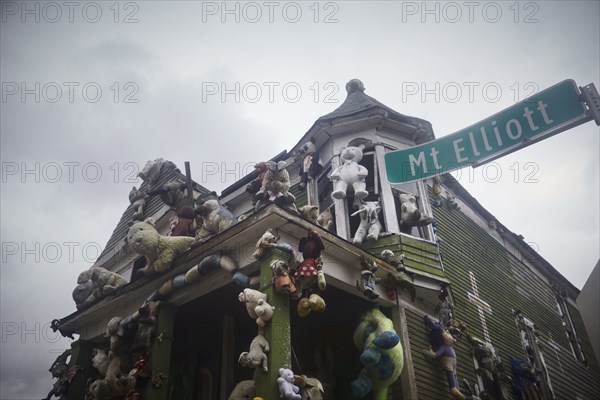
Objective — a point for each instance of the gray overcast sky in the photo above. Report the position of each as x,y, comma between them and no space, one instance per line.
93,90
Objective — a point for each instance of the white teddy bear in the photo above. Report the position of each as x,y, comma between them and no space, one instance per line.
287,389
350,173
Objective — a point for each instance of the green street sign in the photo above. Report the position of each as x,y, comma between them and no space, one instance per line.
538,117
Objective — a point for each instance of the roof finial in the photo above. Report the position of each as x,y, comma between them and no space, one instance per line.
354,85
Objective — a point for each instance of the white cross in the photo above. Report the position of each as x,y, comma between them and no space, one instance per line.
481,306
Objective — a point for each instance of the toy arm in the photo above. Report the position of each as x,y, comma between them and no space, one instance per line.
362,171
429,322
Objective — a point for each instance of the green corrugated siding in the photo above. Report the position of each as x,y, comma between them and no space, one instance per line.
300,195
507,284
419,255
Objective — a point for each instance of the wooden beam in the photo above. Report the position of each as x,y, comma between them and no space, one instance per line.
188,181
277,331
160,353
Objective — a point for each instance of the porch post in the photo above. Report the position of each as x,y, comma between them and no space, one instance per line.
277,331
81,355
160,353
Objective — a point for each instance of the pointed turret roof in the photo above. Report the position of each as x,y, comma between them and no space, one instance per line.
357,101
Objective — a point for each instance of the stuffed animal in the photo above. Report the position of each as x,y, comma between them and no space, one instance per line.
525,382
214,217
311,164
251,297
254,186
276,186
309,213
137,200
326,220
391,258
171,193
287,389
264,311
94,284
267,241
409,213
310,388
312,303
148,317
281,277
153,169
381,355
310,270
441,341
369,227
444,309
256,357
367,278
184,224
350,173
160,251
244,390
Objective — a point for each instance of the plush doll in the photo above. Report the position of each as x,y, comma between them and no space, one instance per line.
251,297
215,218
287,389
171,193
311,164
391,258
264,311
267,241
255,185
350,173
441,341
526,385
160,251
444,309
310,270
148,317
326,220
153,169
281,277
369,227
309,213
276,186
367,278
381,355
256,357
436,192
312,303
185,222
410,215
94,284
138,202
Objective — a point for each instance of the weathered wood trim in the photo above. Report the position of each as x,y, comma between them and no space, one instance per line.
388,204
409,382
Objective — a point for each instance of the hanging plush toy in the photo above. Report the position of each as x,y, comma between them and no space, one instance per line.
184,224
310,270
311,164
367,278
381,355
441,341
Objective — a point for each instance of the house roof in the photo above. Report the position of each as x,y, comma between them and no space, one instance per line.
152,206
357,102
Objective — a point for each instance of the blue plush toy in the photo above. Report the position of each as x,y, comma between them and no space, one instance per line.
382,355
441,349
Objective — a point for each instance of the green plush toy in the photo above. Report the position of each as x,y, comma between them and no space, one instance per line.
160,251
381,355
